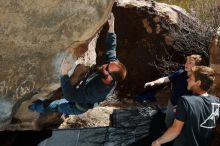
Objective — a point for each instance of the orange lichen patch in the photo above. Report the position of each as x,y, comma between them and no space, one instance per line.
80,50
147,26
158,29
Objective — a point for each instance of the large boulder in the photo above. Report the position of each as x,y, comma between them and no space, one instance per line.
215,64
215,60
35,36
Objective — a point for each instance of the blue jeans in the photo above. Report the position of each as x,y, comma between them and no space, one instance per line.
61,106
64,106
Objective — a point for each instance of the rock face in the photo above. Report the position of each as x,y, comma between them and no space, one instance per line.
36,35
215,60
215,64
152,38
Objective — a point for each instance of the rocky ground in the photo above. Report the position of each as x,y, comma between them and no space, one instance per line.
99,116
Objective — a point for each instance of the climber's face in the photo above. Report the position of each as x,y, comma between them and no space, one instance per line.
105,71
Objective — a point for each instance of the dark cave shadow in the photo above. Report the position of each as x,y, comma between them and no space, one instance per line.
23,138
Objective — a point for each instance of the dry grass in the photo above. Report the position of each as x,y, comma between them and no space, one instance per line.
208,11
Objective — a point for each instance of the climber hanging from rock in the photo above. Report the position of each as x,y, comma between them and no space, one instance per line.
94,88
